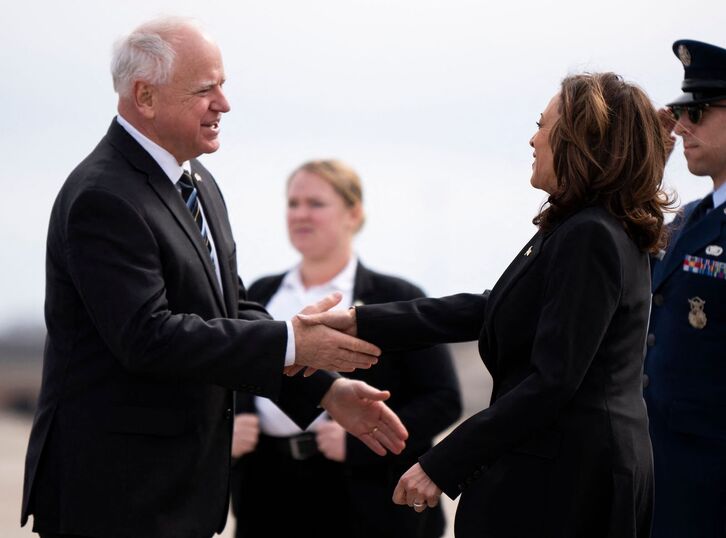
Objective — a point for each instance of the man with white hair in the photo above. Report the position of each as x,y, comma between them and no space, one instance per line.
148,327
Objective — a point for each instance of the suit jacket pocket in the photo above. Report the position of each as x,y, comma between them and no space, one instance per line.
698,419
164,422
544,445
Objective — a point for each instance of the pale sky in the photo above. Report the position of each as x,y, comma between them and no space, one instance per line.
432,102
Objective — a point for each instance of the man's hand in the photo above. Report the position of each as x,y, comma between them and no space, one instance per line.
360,410
318,347
668,121
330,437
246,434
416,489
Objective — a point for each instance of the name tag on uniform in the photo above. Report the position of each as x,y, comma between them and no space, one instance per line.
703,266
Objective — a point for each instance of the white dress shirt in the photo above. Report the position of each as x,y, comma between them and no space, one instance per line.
290,298
173,170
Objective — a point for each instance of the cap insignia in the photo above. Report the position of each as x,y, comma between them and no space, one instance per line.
684,55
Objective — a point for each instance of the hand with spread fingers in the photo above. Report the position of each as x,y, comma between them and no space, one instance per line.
416,489
319,347
360,410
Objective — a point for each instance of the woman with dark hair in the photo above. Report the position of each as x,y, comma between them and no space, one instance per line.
563,450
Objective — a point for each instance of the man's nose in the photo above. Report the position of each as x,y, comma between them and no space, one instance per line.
220,104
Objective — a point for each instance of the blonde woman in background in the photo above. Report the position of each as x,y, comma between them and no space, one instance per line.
329,483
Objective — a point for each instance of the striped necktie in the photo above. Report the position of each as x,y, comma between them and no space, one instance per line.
190,195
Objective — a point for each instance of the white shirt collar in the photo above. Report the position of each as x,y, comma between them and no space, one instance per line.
343,281
719,195
166,161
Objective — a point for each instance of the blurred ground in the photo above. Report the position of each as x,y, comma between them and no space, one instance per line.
15,427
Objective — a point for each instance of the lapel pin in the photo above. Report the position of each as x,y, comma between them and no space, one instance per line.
714,250
697,317
197,176
529,251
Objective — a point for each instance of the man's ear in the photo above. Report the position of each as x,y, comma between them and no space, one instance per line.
145,99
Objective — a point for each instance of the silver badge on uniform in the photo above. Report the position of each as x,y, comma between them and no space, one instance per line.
697,317
684,55
714,250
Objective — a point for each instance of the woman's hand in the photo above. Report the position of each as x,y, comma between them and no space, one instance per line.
416,489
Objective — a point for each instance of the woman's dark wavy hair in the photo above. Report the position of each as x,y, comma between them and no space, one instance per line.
609,149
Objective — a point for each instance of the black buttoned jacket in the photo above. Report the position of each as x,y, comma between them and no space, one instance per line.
132,434
563,450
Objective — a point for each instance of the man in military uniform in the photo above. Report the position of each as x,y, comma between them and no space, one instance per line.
685,368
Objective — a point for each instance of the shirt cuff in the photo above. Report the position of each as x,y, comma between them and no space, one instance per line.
290,350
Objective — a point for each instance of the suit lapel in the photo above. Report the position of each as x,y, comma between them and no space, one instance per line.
689,239
362,287
213,211
167,194
516,269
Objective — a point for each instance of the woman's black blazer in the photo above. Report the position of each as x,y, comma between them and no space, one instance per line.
563,450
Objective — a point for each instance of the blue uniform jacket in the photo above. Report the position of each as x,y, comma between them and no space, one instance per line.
685,378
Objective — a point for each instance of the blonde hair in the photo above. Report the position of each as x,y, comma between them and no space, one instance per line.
344,180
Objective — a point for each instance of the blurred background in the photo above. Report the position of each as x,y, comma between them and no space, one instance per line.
432,102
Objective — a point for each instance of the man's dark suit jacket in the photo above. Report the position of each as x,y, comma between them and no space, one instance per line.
563,450
686,380
133,429
424,394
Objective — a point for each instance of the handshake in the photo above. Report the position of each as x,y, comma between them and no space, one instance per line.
325,340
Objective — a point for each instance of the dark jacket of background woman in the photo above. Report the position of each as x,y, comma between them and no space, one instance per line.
424,394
